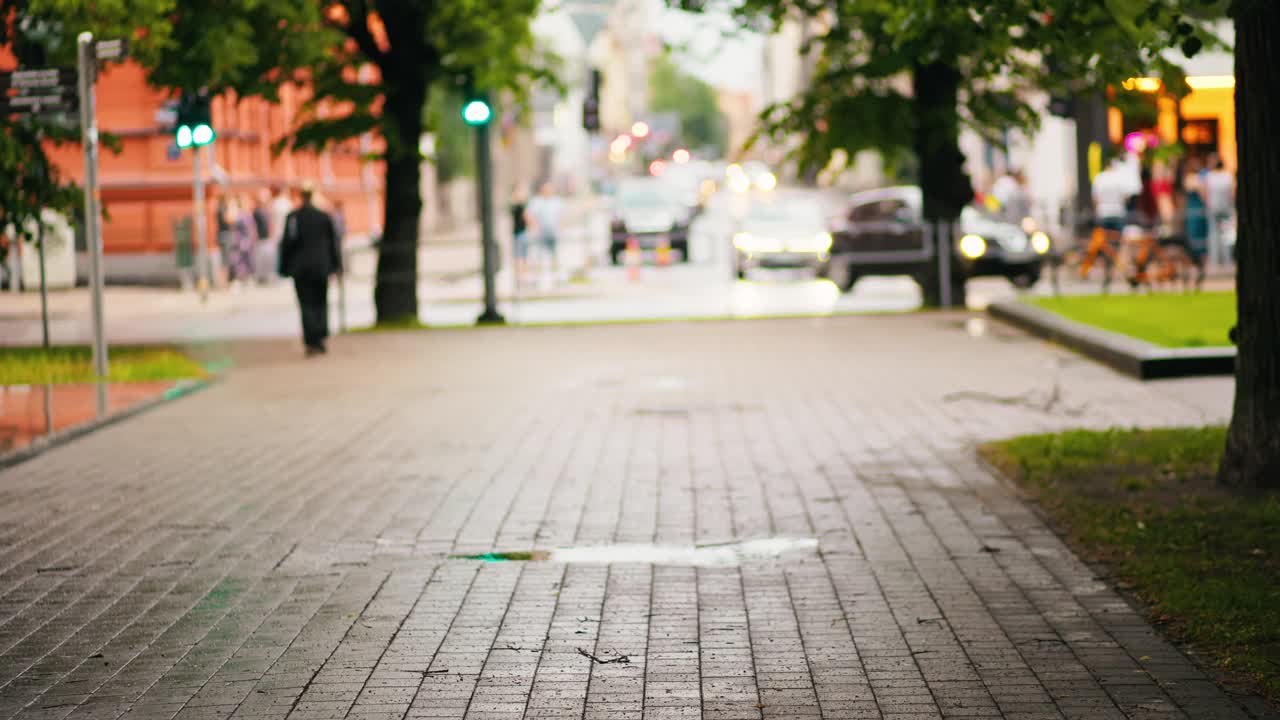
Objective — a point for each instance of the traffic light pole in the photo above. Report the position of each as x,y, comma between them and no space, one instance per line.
88,67
198,224
484,176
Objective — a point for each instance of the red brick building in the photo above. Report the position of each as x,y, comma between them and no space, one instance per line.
147,187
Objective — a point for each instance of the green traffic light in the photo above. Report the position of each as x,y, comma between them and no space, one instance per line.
202,135
477,112
184,137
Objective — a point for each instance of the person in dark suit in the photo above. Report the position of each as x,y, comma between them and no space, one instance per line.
309,253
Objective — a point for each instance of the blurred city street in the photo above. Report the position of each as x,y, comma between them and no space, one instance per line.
451,292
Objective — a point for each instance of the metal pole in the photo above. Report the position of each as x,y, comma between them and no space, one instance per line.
943,233
92,218
203,275
484,172
44,290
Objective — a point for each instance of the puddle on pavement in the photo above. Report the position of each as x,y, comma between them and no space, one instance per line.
31,412
720,555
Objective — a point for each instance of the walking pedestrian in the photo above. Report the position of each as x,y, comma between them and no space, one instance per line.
277,211
520,231
1220,201
242,237
544,213
1195,220
309,254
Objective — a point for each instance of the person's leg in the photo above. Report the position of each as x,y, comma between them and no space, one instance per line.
312,329
322,308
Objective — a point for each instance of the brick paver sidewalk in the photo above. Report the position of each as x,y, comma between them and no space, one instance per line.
279,546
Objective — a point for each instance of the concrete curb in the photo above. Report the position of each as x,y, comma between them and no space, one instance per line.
1128,355
182,389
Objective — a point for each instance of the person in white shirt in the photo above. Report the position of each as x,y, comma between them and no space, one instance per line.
1112,189
1010,191
543,214
1220,201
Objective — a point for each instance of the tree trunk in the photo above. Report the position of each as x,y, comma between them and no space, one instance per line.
395,294
1252,457
943,180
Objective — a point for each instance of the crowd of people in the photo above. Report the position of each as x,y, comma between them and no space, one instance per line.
249,233
1191,203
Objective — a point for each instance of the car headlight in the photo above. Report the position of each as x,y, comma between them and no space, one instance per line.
1040,242
748,243
819,243
972,246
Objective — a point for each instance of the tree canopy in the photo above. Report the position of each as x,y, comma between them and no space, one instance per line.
255,47
702,125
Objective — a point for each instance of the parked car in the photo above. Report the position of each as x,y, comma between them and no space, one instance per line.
651,212
882,232
781,231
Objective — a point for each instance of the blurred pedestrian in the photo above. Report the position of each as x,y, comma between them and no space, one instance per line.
1146,212
264,258
1010,190
1220,200
544,214
339,215
225,219
1195,220
1162,188
242,241
520,230
1112,189
309,253
277,211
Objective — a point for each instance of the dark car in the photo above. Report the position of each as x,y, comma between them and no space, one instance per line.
883,233
651,212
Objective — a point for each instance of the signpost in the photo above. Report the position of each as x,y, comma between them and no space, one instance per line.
46,91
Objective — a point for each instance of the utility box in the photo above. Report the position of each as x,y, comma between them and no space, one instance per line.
59,253
184,252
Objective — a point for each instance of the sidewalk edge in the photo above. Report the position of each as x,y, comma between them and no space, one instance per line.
1130,356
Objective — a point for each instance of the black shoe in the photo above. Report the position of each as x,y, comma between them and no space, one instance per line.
313,350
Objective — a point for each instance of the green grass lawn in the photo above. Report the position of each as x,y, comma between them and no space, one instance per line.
35,366
1205,559
1166,319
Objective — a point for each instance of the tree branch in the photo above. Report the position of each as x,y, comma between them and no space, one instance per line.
357,28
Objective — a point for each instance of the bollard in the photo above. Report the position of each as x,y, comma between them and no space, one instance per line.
664,252
633,259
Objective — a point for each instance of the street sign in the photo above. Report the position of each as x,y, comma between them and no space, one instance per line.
34,79
46,90
111,49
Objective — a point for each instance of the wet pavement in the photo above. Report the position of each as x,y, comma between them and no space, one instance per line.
29,413
768,519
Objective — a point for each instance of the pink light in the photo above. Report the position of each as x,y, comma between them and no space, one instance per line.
657,167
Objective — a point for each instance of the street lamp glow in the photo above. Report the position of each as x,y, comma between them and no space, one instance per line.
767,181
1142,84
620,144
681,156
476,112
657,167
640,129
1211,82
